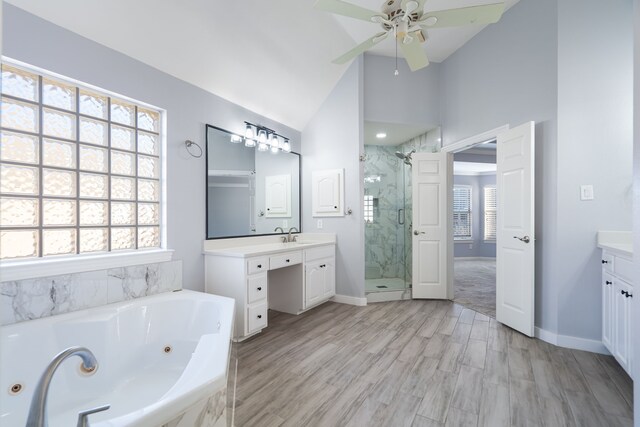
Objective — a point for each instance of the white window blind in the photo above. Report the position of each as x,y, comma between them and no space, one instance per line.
80,169
462,212
490,208
368,209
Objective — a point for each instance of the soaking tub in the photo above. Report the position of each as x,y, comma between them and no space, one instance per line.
161,360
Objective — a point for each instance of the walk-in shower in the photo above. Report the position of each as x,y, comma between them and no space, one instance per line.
406,158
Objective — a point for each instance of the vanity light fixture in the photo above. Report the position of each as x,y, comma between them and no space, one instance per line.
264,138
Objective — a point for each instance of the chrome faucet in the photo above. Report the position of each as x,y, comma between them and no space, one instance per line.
289,238
38,409
279,228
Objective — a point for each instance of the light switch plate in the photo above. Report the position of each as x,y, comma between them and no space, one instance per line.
319,224
586,192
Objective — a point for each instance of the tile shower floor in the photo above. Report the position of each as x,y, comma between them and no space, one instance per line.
384,285
419,363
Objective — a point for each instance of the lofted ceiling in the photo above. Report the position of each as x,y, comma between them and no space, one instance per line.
396,133
271,57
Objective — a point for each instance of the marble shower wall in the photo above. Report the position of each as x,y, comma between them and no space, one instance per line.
384,248
48,296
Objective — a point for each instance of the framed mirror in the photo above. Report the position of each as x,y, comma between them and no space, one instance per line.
249,192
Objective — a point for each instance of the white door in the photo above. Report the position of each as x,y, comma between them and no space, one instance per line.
313,283
515,240
432,215
622,317
607,310
328,265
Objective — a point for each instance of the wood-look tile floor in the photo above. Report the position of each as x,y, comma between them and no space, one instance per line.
419,363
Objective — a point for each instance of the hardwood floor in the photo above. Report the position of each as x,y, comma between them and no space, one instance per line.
419,363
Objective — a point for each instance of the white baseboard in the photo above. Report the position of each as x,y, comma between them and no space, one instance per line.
346,299
575,343
388,296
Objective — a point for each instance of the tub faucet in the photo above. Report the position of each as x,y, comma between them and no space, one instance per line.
38,409
289,238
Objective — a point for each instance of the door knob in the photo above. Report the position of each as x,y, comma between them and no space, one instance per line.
417,233
525,239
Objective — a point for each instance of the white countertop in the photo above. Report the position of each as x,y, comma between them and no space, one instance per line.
619,242
265,245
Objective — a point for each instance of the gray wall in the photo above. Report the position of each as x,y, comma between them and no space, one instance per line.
595,110
508,74
478,247
222,154
635,332
32,40
409,98
334,139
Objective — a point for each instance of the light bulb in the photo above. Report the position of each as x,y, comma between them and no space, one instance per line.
263,146
262,136
286,146
236,139
274,142
248,133
249,143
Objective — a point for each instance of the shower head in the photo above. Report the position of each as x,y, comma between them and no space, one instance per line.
405,157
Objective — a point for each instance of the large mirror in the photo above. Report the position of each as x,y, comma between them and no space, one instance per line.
249,192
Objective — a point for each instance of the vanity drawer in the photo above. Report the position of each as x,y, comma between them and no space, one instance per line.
321,252
285,260
257,317
607,262
257,265
623,268
256,288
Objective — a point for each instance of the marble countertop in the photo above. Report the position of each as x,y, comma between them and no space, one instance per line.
248,247
619,242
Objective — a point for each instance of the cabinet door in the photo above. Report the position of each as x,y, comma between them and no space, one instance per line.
313,283
622,316
278,196
329,277
327,196
607,311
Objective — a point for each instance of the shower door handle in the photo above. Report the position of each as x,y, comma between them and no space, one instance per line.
401,216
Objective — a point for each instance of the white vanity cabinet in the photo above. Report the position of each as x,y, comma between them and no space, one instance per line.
290,277
617,296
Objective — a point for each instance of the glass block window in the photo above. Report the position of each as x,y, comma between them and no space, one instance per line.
79,169
368,209
462,212
490,209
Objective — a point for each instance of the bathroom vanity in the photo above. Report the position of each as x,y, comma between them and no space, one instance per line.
263,273
617,295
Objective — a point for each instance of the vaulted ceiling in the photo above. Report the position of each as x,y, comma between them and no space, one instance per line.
272,57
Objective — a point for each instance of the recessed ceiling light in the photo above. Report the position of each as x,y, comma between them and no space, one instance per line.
381,135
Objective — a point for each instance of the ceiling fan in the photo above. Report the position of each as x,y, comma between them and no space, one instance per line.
409,23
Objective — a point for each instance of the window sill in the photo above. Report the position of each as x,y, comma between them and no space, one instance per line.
464,241
489,241
45,267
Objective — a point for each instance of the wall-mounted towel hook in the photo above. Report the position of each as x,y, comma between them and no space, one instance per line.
188,144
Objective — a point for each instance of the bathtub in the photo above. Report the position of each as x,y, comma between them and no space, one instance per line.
160,358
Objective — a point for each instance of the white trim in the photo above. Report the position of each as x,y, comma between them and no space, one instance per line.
463,241
46,267
567,341
474,140
385,296
488,173
346,299
475,258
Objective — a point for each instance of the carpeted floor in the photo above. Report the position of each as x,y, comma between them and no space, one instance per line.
475,284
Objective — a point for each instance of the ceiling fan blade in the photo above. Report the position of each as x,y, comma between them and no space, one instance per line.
362,47
347,9
414,54
485,14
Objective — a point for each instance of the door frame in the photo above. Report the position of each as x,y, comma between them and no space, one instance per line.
457,147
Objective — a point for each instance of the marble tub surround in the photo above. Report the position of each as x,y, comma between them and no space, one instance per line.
29,299
620,242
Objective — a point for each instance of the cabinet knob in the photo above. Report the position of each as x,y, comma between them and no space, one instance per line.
335,207
287,260
259,316
259,288
259,265
605,261
625,293
609,282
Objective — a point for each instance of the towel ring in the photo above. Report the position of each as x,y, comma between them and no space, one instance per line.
188,144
